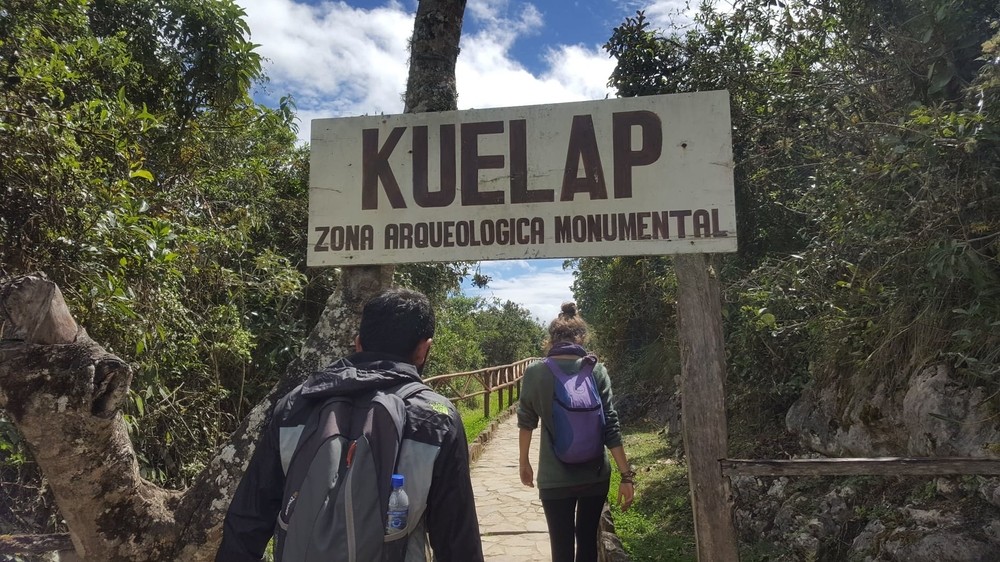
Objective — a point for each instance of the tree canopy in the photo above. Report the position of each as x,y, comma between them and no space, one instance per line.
138,173
865,149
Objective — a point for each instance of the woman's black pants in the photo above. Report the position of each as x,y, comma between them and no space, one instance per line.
574,520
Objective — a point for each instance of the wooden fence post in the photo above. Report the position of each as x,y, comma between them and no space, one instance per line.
501,378
510,389
488,377
703,405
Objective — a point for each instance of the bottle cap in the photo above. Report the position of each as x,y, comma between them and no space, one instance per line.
398,480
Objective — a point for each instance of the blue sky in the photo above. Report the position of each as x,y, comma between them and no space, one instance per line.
347,58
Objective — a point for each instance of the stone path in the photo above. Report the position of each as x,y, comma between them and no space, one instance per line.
511,520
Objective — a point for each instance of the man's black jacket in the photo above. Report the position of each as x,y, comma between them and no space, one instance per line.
434,434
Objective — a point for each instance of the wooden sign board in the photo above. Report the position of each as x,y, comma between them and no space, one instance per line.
632,176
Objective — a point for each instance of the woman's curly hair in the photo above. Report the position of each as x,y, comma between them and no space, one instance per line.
569,326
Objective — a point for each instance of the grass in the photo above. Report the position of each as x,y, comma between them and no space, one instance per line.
659,526
472,413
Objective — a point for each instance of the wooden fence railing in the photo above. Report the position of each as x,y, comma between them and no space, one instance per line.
459,386
875,466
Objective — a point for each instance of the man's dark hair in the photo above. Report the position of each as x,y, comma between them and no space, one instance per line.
395,321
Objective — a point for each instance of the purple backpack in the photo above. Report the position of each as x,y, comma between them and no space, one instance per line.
577,414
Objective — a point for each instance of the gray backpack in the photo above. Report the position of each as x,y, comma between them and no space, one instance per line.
338,481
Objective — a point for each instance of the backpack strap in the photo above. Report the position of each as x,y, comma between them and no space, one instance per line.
404,392
589,361
407,390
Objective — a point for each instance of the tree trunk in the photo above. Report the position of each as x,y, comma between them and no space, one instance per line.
63,391
434,47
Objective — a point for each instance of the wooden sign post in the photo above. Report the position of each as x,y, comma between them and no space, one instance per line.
703,405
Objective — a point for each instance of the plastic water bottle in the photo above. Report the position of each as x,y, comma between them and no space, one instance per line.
399,506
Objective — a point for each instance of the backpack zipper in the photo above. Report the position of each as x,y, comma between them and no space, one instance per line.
350,452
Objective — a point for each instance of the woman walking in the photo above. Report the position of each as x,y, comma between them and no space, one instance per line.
570,393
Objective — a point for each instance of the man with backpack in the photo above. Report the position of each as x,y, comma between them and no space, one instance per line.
321,476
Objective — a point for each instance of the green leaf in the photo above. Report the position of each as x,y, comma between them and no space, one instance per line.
145,174
768,320
940,80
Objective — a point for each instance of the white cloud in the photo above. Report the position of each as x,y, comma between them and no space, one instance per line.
666,15
508,265
540,286
338,60
333,58
581,69
494,15
663,15
488,76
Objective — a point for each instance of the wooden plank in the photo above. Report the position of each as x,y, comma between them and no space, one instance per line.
520,366
884,466
703,405
35,544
